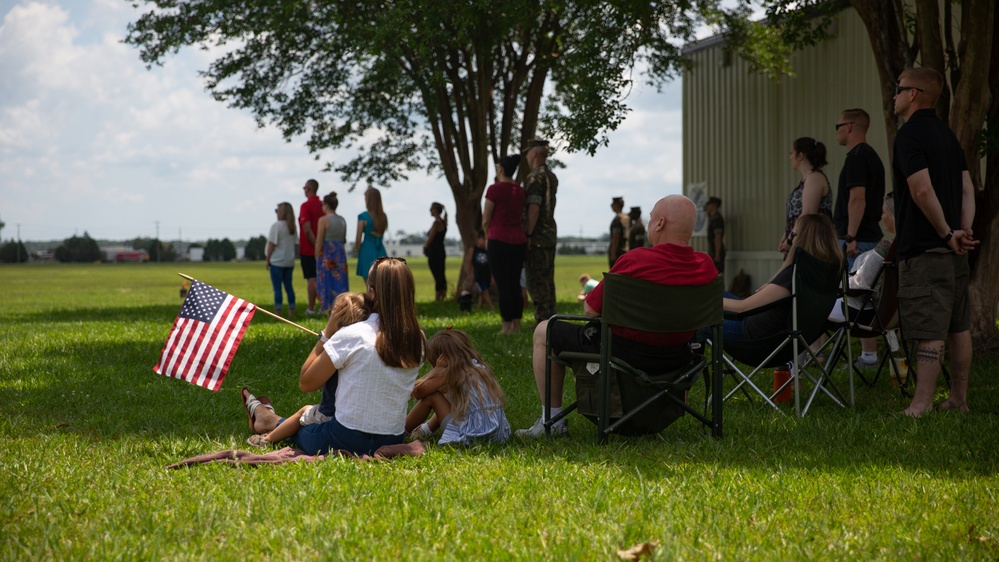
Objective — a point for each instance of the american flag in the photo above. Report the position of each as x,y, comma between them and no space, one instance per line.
205,336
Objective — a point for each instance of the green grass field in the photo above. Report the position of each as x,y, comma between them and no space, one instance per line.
88,429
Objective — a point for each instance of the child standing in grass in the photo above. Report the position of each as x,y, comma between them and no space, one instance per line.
461,391
348,308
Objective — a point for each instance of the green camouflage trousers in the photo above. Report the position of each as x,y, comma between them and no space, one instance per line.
540,266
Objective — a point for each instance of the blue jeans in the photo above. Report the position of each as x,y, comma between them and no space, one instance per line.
322,438
861,248
731,329
282,276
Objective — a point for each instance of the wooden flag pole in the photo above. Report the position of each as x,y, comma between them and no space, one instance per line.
267,312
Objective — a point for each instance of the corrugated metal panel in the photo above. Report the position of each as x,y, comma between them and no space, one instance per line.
738,127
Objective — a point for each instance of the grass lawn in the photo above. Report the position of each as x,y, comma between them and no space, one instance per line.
88,430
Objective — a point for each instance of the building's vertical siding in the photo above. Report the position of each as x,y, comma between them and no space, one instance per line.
739,126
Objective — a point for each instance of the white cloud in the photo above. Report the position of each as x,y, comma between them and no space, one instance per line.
90,140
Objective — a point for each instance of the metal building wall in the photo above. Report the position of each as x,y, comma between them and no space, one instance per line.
738,127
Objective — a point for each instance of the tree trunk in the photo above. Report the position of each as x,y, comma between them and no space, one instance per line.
978,57
985,260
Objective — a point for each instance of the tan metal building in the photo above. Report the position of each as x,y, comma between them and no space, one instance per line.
738,127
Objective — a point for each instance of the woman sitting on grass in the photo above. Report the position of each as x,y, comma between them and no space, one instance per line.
462,393
376,362
348,308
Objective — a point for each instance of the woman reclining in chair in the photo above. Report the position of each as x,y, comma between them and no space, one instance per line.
814,234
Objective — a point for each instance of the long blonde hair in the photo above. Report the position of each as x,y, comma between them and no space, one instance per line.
816,235
400,341
286,213
464,371
351,308
373,203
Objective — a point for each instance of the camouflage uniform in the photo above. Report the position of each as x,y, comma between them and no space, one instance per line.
541,186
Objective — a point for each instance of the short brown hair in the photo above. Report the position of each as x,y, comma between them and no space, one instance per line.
927,79
859,118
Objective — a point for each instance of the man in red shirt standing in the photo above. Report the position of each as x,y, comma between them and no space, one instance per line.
670,261
308,219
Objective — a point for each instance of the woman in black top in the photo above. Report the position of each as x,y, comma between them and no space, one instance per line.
434,249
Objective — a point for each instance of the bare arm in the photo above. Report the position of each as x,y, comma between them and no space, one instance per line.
967,202
427,385
767,294
270,251
321,227
434,229
921,188
855,209
487,215
360,233
587,310
307,229
811,194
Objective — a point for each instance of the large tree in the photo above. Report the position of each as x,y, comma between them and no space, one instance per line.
446,87
956,38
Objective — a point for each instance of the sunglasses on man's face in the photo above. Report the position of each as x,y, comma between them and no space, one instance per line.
900,88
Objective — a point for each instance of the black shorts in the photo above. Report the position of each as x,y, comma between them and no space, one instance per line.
308,266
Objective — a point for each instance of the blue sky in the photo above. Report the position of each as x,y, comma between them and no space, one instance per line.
92,141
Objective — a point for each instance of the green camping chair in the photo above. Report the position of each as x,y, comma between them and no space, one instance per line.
622,399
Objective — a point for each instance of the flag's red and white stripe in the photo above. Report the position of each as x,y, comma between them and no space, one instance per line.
200,352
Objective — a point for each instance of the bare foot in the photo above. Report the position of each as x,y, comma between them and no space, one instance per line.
264,420
953,406
914,412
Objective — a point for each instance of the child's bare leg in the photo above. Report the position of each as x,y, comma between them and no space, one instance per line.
288,428
441,407
437,403
418,414
489,300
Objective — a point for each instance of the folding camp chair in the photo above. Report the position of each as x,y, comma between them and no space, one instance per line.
876,318
644,402
814,289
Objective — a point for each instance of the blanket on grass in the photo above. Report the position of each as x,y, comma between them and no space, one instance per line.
289,454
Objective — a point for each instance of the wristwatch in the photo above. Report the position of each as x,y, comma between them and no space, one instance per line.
849,238
950,234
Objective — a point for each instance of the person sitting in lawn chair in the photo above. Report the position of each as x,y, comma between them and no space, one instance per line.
670,261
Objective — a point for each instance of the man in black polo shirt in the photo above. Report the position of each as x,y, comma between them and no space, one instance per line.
935,206
861,187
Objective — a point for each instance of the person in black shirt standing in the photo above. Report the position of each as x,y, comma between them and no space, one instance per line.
934,211
861,187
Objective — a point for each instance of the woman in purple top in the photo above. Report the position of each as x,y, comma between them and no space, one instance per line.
502,221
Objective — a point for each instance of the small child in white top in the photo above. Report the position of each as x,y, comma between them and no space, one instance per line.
461,391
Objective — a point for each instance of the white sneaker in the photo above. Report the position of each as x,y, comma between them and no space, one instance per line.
310,312
560,429
862,363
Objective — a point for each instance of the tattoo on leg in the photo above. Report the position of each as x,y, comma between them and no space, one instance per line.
927,355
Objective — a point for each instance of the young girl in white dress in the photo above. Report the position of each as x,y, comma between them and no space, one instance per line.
462,393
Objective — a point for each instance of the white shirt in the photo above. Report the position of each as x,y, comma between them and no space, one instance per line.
284,245
370,396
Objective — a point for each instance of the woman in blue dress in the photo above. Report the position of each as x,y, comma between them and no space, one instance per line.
331,254
371,226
